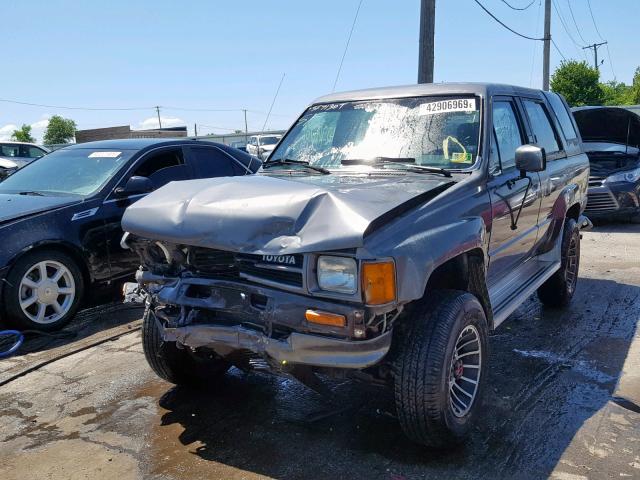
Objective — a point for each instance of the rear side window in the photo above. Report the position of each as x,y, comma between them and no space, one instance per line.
541,126
562,115
212,162
31,152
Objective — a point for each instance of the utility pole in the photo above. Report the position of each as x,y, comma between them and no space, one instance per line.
595,53
158,111
426,44
546,51
246,129
195,129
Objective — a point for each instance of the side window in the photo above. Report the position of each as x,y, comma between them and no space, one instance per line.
31,152
507,132
9,150
541,126
562,115
163,167
211,162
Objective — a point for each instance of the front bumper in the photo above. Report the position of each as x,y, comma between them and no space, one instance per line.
297,348
231,316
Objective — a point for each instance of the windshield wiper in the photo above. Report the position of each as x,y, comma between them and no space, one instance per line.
408,161
289,161
32,192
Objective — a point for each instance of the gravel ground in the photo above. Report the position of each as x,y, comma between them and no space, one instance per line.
563,402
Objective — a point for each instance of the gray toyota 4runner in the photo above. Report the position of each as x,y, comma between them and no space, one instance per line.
386,235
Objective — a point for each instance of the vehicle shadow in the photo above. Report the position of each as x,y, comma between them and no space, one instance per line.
551,370
102,310
615,227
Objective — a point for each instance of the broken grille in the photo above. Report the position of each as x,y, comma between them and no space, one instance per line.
255,268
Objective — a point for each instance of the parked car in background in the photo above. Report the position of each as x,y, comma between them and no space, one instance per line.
20,152
242,146
60,218
262,145
7,167
387,234
611,137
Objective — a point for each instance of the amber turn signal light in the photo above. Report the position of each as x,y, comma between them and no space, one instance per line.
378,282
325,318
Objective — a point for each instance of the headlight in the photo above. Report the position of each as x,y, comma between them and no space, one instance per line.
337,274
631,176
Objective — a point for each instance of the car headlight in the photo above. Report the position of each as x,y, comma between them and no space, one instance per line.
337,274
631,176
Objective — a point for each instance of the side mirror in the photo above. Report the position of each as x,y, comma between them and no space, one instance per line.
135,185
530,158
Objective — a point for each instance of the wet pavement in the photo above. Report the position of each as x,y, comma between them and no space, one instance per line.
563,401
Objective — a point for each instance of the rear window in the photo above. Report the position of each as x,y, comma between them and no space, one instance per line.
562,115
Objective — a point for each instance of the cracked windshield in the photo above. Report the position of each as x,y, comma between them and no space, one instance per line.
428,131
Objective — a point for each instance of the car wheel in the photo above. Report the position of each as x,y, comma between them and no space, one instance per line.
179,366
43,291
441,369
558,290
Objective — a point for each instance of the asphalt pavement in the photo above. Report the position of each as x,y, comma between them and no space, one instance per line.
563,402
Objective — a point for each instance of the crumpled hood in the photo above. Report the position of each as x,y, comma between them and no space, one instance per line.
272,215
608,124
13,206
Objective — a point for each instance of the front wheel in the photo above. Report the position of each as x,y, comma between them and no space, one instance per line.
179,366
558,290
43,291
442,368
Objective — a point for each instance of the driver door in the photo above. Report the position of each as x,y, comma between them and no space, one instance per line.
515,201
161,166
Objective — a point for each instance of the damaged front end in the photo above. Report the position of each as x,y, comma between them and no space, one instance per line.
244,307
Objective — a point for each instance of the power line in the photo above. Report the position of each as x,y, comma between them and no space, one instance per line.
557,49
595,25
346,47
505,25
74,108
610,61
594,20
535,45
517,8
575,23
152,108
273,102
564,26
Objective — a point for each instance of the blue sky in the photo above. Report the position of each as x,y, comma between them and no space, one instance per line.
231,55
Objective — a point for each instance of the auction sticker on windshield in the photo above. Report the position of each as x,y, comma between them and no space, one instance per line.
445,106
105,154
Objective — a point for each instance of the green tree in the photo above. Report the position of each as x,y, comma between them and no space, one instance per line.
23,134
578,83
59,130
616,93
634,95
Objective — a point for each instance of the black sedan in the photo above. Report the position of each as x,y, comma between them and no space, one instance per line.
60,218
611,138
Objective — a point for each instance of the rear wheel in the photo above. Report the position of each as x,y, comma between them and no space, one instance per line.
43,291
558,290
441,369
179,366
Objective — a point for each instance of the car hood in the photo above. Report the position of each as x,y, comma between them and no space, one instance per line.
272,215
7,163
608,124
14,207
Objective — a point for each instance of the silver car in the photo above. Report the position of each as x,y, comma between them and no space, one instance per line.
20,153
261,146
